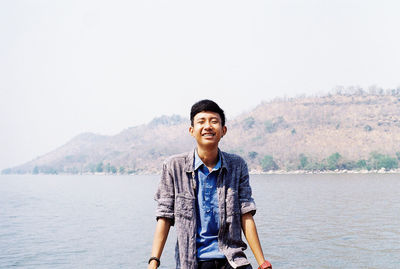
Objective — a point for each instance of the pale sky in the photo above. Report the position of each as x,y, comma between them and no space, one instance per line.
68,67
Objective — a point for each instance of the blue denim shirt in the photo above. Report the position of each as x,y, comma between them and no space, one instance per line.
176,201
207,211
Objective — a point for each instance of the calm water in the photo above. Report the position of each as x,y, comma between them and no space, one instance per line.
304,221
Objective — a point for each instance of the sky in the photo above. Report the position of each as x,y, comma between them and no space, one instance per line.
68,67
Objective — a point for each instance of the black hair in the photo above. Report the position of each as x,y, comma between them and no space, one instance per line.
206,105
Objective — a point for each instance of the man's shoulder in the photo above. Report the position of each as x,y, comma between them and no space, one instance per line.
178,158
232,158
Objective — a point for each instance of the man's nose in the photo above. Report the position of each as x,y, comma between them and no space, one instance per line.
207,125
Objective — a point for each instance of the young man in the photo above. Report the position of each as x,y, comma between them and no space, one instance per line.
206,194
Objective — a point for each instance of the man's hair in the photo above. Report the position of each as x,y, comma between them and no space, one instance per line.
206,105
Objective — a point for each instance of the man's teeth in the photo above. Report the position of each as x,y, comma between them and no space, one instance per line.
208,134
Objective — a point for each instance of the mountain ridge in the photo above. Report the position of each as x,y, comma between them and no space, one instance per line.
286,133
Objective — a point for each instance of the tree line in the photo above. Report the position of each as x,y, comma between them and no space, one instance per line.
335,161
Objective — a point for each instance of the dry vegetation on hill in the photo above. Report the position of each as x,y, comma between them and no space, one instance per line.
337,131
352,125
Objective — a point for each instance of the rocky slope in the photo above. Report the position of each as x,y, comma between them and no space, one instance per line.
285,130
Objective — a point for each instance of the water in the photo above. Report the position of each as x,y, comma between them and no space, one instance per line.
304,221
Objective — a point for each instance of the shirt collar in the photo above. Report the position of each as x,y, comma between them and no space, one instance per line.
198,162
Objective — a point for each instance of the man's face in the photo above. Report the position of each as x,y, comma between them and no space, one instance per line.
207,129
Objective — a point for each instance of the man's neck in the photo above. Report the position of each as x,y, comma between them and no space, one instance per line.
208,156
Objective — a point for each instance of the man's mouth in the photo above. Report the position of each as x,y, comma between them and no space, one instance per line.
208,135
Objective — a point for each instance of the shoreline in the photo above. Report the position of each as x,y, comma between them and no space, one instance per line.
251,172
303,172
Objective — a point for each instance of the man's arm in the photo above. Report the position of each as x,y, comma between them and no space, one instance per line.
248,209
160,237
250,232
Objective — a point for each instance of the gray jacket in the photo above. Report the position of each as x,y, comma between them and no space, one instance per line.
176,201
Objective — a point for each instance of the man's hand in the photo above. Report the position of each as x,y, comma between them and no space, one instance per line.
265,265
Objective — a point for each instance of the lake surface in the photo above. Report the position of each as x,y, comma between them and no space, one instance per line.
304,221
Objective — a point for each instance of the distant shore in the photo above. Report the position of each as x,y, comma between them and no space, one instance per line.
251,172
301,172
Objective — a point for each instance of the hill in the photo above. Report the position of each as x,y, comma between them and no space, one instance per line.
336,131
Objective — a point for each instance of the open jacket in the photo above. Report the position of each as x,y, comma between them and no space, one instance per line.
176,201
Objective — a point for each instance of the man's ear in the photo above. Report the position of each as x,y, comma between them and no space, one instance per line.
191,130
224,130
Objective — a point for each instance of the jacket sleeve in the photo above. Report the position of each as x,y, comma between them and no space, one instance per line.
247,203
165,196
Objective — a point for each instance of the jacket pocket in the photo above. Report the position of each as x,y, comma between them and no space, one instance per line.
184,206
